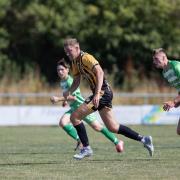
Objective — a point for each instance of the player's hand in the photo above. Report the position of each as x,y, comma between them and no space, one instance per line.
71,98
65,103
66,94
168,105
54,99
96,100
177,105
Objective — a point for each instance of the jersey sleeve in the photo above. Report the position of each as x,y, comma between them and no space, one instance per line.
89,61
176,66
69,82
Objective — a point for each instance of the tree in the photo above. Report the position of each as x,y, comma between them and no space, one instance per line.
121,34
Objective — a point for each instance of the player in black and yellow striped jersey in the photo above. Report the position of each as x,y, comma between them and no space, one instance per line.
84,64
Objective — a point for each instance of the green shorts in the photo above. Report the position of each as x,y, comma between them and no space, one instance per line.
88,119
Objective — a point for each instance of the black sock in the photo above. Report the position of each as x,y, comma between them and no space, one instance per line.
81,130
124,130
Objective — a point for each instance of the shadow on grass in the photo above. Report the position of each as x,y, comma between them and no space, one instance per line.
167,147
125,160
33,153
30,163
86,160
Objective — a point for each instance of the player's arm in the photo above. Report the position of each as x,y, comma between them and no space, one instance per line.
99,81
56,99
74,86
69,98
177,101
170,104
99,77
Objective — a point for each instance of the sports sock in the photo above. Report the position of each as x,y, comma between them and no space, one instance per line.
81,130
109,135
71,131
124,130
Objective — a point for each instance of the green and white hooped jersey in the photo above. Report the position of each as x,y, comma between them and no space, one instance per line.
65,85
172,74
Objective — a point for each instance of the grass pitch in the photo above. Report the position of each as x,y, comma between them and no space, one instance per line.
46,153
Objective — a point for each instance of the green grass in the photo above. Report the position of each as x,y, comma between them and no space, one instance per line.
46,153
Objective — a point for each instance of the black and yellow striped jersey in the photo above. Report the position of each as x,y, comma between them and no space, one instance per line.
84,65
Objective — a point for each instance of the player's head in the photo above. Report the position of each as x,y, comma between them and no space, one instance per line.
71,48
62,69
159,58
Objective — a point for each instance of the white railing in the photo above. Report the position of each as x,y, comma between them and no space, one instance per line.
144,97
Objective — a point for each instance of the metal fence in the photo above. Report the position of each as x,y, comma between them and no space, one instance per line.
119,98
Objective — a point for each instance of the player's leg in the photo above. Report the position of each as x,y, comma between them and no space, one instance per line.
110,122
178,127
69,128
75,118
97,126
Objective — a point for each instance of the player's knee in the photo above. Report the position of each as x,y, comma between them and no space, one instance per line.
74,119
61,124
97,128
112,129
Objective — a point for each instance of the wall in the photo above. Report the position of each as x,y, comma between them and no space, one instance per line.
49,115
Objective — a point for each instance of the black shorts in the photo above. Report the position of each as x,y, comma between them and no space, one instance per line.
105,99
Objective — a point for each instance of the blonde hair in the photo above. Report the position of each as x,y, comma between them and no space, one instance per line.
70,41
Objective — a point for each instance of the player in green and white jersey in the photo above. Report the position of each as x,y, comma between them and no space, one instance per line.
171,72
76,100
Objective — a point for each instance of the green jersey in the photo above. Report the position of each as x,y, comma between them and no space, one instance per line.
172,74
65,85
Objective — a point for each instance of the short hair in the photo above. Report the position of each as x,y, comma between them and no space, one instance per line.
64,63
158,50
70,41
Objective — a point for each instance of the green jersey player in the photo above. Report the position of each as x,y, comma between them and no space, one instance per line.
171,72
75,100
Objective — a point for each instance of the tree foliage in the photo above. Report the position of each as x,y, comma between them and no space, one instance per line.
121,34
